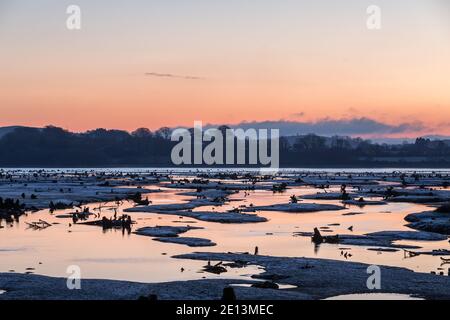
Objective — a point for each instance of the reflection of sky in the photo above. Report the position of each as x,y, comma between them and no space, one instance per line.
258,60
111,255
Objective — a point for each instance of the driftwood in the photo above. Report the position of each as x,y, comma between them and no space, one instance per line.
266,285
216,269
317,238
39,225
410,254
123,222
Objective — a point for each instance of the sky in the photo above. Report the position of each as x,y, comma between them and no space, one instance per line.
145,63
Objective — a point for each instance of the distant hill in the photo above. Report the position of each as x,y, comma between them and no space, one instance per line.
6,130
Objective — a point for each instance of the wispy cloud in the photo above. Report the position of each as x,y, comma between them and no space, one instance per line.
170,75
298,114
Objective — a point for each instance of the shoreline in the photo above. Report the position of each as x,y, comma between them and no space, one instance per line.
309,279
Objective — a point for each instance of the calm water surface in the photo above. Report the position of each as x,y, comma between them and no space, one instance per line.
116,255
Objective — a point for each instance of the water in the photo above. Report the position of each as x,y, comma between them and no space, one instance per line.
231,169
121,256
280,286
374,296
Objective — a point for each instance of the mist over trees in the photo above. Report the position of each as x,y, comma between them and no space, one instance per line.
56,147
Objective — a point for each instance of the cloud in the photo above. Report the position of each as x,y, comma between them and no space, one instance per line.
329,127
170,75
298,114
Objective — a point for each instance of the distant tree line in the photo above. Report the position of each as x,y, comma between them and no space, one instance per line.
312,150
56,147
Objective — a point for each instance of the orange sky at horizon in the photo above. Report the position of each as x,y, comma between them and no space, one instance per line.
277,63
